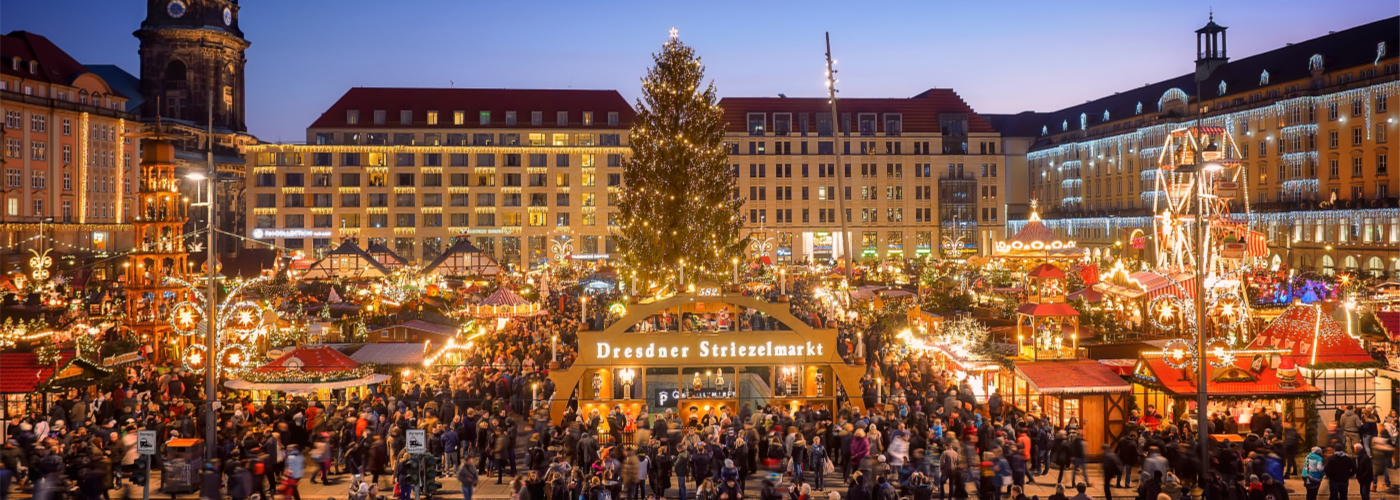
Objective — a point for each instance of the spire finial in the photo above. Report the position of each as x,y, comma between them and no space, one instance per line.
1212,14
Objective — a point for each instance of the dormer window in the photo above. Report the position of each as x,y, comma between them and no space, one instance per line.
14,64
34,67
352,117
1315,62
1221,89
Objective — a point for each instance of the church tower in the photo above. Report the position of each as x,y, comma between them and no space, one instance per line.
189,47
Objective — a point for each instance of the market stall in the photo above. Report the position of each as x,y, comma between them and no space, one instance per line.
28,382
1165,389
1090,393
347,261
1326,355
321,370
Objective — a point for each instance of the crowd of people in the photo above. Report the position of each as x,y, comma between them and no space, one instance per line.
914,431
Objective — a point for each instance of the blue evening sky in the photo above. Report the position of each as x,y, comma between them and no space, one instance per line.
1001,56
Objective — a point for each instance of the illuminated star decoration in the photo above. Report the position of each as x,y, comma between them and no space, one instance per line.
675,33
1165,312
196,247
185,317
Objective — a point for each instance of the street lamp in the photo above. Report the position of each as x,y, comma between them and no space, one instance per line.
198,178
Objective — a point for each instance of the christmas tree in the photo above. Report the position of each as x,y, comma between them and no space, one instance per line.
678,204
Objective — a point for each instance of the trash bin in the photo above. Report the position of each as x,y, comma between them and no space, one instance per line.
184,458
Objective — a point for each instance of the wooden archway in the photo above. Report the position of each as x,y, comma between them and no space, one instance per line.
616,346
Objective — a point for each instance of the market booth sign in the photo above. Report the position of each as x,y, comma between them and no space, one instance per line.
708,347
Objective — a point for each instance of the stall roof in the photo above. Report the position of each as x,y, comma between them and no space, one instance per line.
424,326
1146,283
1312,336
20,372
1042,310
1390,322
1154,370
310,359
391,354
1072,377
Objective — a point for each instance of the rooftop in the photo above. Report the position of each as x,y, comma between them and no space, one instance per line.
475,102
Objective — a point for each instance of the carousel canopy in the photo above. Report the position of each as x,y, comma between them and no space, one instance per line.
1313,338
346,261
1034,240
306,369
504,304
463,259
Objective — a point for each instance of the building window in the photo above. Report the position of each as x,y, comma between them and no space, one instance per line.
484,118
432,117
352,117
510,118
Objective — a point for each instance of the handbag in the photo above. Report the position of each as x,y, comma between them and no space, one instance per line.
828,467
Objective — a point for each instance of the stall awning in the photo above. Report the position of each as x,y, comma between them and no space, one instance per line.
1390,322
1072,377
1266,384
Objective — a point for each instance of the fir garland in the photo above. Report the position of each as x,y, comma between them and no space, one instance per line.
1328,365
48,354
305,377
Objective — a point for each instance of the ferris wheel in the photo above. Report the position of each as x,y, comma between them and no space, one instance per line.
1211,184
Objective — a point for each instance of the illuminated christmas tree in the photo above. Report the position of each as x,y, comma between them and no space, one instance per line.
678,207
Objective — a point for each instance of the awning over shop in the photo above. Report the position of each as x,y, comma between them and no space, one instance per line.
1072,377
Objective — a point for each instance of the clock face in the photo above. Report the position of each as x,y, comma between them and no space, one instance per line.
228,17
176,8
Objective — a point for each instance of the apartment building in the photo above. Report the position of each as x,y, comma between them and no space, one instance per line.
68,156
527,175
919,176
1312,121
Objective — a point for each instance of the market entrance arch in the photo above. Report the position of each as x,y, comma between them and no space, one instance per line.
705,352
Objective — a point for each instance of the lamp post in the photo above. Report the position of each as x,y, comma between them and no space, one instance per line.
211,341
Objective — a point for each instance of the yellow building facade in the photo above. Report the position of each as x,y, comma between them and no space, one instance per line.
69,153
1314,123
527,175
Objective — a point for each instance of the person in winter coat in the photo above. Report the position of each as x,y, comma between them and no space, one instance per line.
1112,468
817,462
1313,471
858,490
682,470
1362,469
1127,451
1339,468
860,448
467,477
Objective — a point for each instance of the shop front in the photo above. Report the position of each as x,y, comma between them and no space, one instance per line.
706,367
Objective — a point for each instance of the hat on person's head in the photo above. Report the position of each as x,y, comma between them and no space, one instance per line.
1253,478
1317,449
